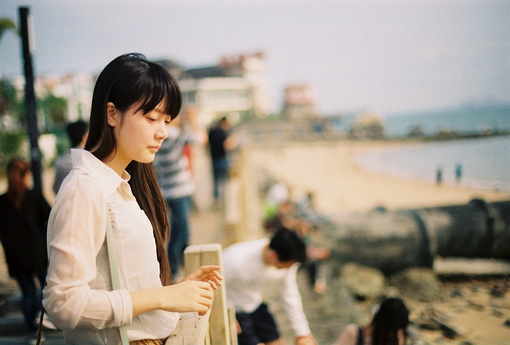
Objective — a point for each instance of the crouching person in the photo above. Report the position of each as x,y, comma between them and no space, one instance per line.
250,266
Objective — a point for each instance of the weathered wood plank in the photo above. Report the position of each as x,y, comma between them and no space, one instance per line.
211,254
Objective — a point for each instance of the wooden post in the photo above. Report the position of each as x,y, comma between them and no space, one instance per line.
210,254
190,330
232,211
233,325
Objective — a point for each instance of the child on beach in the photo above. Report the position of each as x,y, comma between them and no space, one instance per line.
388,327
113,182
250,266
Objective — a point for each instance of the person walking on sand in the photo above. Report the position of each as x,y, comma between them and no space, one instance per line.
458,172
23,218
113,190
250,266
439,175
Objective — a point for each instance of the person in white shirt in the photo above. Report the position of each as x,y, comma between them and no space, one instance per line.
133,101
250,266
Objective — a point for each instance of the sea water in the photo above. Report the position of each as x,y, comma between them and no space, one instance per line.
465,120
485,162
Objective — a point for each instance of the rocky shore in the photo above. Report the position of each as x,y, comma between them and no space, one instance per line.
455,302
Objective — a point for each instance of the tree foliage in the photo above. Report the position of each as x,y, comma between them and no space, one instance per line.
6,24
54,108
8,96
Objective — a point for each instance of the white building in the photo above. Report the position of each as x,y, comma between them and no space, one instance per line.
300,102
236,88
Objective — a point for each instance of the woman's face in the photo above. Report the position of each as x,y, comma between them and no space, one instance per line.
138,136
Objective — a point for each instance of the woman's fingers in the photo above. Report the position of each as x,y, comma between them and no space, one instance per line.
189,296
209,274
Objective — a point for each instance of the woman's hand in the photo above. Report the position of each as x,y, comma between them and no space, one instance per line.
208,274
188,296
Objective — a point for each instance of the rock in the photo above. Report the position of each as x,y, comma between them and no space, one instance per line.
475,306
456,293
418,283
448,330
499,304
497,313
497,292
507,323
363,282
427,319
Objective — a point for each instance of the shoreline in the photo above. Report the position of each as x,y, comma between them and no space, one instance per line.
328,170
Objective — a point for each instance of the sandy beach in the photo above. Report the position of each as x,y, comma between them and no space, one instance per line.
327,169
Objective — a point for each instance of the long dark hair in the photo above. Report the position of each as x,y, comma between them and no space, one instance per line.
391,317
127,80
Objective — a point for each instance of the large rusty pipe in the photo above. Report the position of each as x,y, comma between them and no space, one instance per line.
394,240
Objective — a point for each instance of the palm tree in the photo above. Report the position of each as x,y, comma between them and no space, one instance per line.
7,90
6,24
7,96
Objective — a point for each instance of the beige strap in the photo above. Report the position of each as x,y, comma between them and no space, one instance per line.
114,269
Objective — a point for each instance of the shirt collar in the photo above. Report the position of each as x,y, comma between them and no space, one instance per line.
108,179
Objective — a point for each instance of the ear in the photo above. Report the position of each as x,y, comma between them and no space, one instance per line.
400,336
272,257
111,113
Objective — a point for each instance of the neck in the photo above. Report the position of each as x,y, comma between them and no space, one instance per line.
266,255
16,195
116,163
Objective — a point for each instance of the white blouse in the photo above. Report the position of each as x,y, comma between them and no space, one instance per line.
78,296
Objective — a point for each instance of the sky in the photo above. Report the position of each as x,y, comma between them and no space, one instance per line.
385,56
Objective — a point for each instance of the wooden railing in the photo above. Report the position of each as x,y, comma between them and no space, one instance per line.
218,326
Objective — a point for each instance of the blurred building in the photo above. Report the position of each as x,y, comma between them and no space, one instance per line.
236,87
368,125
75,88
300,102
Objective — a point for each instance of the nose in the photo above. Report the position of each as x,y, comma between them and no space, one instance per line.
162,132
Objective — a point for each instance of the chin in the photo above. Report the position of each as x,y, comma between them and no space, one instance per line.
146,160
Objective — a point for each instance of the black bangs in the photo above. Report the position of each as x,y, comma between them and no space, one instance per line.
159,86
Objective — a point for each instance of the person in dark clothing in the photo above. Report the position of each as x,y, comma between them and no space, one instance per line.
23,217
388,326
78,133
220,143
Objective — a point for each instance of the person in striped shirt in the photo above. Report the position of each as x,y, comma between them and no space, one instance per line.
176,183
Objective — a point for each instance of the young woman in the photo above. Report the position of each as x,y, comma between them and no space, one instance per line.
388,326
133,101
